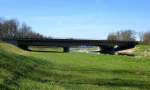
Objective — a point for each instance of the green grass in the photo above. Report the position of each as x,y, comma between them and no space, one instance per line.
21,70
143,51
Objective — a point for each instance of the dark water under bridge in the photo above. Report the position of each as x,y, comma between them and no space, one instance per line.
105,45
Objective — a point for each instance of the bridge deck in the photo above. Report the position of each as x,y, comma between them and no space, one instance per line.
73,42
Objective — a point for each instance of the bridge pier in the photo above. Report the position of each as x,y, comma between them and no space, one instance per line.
66,49
107,49
24,47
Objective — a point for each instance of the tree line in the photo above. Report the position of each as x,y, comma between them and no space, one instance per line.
12,29
130,35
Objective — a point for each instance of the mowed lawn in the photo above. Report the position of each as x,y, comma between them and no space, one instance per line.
21,70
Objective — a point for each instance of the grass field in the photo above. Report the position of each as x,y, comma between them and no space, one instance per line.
21,70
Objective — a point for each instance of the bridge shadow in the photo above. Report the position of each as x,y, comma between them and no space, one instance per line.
99,52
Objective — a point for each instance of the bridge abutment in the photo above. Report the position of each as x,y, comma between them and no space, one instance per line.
24,47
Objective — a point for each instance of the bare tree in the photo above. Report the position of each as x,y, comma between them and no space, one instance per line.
24,31
0,28
11,29
126,35
146,38
112,36
141,36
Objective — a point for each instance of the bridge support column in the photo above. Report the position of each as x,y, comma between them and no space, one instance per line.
24,47
66,49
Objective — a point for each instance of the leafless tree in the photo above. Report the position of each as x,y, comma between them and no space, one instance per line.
141,36
146,38
125,35
11,29
8,28
112,36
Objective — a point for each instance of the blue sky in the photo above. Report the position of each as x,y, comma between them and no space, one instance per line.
88,19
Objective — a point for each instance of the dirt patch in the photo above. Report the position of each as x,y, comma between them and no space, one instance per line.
129,52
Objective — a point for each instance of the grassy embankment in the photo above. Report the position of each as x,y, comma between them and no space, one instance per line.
78,71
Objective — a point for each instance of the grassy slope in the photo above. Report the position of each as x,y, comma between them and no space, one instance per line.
60,71
143,50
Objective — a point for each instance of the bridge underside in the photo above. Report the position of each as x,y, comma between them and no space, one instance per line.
103,49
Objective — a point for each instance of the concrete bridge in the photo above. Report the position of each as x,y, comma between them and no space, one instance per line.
106,46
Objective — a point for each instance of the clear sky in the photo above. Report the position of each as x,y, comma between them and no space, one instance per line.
89,19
